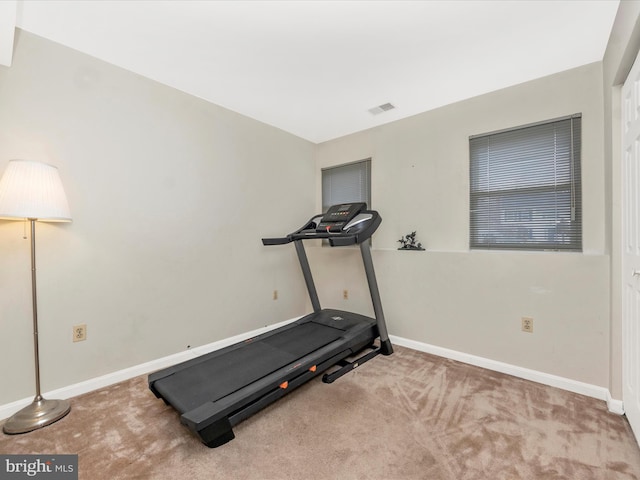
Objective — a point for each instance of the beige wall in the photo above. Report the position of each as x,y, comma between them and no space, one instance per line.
472,301
621,52
169,195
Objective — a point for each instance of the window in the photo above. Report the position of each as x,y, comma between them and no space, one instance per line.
346,183
525,187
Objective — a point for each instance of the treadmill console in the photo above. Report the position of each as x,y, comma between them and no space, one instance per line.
339,215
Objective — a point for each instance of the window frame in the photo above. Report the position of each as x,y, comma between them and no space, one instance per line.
335,169
530,194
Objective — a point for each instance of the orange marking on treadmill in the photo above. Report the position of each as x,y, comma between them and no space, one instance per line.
284,385
313,369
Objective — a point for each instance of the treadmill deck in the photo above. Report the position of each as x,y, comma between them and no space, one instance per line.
221,375
201,389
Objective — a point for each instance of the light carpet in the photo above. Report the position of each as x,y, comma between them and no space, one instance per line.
407,416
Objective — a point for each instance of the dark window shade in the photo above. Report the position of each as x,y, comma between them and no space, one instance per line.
346,183
526,189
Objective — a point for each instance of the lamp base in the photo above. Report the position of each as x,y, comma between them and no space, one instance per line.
38,414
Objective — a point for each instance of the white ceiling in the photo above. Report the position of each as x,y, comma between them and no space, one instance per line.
315,68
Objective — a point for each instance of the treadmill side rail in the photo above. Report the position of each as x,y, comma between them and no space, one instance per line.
347,365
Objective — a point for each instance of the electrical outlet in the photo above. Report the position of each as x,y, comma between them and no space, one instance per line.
345,294
79,333
527,324
275,294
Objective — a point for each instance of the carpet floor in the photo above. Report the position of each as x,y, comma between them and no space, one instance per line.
407,416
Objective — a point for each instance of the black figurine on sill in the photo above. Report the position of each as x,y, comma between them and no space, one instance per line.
409,242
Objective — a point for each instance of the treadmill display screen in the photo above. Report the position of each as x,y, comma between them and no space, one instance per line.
343,212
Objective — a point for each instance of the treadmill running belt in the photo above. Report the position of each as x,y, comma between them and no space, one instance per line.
223,374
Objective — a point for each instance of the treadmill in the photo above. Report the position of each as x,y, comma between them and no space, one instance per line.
216,391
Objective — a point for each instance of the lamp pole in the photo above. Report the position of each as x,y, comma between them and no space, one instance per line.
34,302
41,412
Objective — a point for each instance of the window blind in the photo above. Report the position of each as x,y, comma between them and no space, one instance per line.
526,187
346,183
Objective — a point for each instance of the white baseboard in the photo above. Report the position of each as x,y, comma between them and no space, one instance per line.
601,393
145,368
614,406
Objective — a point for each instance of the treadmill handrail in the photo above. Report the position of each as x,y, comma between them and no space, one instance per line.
276,241
355,232
335,239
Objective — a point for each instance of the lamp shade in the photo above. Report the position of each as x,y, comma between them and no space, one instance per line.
31,189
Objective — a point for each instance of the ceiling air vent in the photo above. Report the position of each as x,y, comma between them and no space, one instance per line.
381,109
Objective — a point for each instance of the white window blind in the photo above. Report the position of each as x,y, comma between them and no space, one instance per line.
346,183
526,188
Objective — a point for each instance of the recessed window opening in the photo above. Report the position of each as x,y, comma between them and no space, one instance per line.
346,183
350,182
526,187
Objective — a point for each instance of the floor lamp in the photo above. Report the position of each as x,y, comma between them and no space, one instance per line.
31,190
